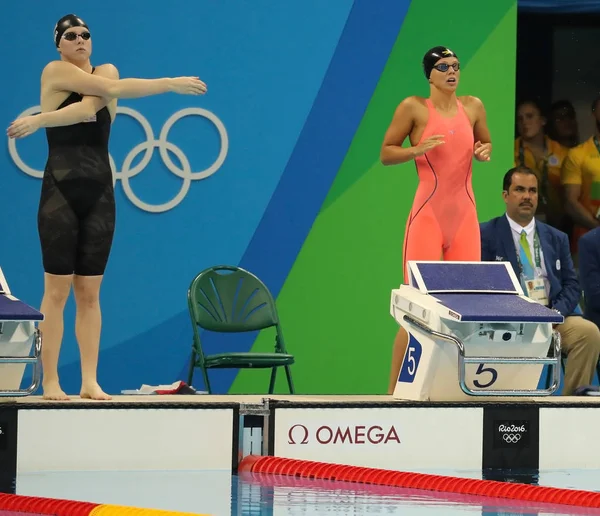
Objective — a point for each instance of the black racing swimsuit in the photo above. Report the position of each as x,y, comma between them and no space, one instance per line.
76,216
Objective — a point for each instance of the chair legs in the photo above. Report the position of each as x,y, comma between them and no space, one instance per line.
288,374
204,373
206,380
272,382
192,365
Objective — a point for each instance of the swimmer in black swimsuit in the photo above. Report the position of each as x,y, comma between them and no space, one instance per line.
76,215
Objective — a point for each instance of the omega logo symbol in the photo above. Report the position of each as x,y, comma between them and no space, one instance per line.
302,432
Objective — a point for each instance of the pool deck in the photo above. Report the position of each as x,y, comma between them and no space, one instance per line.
304,399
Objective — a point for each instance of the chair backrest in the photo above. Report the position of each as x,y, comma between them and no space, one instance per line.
227,298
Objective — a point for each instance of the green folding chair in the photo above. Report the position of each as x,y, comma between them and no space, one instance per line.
229,299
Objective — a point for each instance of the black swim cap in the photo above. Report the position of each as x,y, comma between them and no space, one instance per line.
433,55
66,22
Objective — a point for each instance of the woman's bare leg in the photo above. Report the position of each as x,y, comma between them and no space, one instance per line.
56,293
88,324
400,345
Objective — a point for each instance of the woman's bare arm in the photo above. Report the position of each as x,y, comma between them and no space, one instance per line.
69,115
392,152
63,76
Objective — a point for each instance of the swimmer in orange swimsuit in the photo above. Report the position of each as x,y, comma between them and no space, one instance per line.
445,133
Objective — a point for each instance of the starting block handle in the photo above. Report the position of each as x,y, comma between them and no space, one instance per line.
553,362
37,368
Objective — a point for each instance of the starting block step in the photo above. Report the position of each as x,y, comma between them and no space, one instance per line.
472,332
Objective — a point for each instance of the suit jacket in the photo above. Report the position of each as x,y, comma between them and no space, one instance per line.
497,244
589,273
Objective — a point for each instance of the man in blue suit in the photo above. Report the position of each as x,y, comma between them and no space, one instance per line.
541,259
589,273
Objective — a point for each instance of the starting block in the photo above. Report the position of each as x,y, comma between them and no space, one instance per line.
18,335
472,332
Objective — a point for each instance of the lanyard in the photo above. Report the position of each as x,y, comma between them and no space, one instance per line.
544,171
536,252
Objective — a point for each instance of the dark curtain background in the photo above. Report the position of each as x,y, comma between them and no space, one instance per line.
557,56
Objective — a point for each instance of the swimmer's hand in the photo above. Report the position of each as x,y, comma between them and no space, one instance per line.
428,144
24,126
188,86
482,151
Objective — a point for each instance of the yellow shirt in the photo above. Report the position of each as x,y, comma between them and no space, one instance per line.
550,188
582,167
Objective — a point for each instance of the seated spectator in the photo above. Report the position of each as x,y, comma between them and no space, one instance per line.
580,176
589,273
540,257
562,126
535,150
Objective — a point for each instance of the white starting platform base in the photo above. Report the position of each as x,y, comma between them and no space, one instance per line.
18,335
472,333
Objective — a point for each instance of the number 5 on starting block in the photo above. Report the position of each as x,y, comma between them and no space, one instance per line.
484,376
481,370
411,361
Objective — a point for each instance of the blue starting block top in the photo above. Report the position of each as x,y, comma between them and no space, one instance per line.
479,292
493,277
497,308
11,309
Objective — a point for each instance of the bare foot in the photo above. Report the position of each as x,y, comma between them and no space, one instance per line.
52,391
93,392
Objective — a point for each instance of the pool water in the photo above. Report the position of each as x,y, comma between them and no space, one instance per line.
221,494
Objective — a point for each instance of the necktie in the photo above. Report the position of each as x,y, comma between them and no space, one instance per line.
525,256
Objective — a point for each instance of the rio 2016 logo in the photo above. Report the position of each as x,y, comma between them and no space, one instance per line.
126,172
511,428
511,433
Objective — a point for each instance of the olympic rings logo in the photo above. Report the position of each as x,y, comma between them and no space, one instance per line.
511,438
147,147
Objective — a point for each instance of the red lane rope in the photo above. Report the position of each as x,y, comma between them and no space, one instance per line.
45,506
426,482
